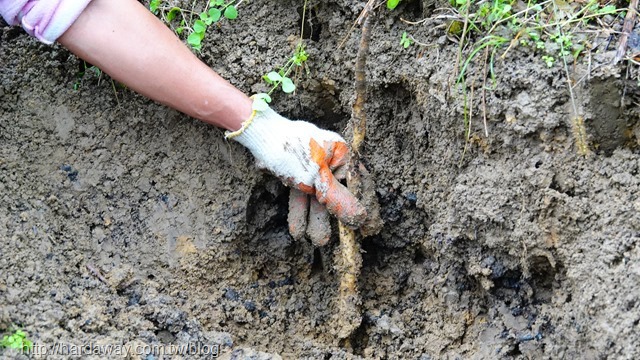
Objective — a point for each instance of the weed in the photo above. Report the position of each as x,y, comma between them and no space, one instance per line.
281,77
499,25
81,74
491,12
17,340
405,41
88,69
213,12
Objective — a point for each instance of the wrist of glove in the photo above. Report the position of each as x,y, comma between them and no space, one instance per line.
310,161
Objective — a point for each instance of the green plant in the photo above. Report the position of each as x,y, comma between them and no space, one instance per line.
281,77
564,42
405,41
17,340
90,71
491,12
493,26
81,74
213,12
392,4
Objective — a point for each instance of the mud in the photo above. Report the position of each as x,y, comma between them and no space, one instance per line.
518,247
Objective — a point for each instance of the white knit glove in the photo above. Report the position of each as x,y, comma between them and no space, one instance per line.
307,159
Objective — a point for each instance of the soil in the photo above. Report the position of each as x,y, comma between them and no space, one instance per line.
124,222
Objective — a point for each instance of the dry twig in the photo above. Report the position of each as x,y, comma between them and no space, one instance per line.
629,22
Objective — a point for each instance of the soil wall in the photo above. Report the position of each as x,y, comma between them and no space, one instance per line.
517,247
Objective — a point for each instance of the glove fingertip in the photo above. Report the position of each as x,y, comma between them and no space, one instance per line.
339,201
319,226
298,211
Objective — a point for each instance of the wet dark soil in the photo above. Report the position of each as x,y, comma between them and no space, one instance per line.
517,247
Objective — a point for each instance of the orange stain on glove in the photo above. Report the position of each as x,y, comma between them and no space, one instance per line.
340,155
329,191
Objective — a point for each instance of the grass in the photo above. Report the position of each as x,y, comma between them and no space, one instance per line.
548,29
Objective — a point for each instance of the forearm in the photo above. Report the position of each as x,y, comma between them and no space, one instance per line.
127,42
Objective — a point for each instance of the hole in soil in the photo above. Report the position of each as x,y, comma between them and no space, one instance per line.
369,252
311,28
556,185
359,340
507,286
542,276
317,265
418,257
266,207
515,351
415,8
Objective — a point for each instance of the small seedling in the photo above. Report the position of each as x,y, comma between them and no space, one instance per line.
17,340
280,78
406,41
86,68
549,60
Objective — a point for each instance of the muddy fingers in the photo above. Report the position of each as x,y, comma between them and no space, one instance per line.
319,225
308,217
298,210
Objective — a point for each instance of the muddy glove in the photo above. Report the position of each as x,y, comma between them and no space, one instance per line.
305,158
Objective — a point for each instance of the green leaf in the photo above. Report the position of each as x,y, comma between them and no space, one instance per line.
199,26
215,14
153,6
263,96
609,9
194,39
219,2
274,76
259,105
287,85
179,30
230,12
260,101
27,345
391,4
406,41
173,13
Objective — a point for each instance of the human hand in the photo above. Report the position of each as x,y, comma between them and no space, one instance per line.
310,161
